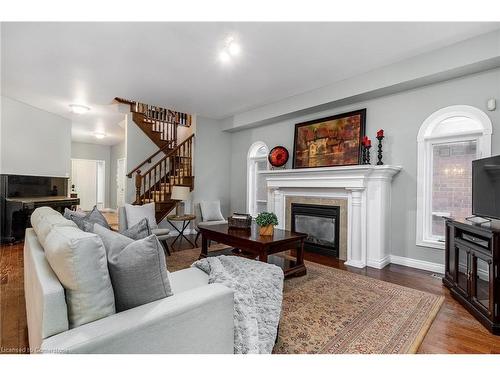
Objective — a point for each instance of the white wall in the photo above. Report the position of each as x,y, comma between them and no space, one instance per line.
401,116
95,152
117,152
33,141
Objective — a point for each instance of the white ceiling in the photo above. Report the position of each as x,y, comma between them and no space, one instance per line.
50,65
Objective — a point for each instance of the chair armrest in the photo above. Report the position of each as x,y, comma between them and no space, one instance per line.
199,320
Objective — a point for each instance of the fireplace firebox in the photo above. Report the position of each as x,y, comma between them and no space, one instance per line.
321,223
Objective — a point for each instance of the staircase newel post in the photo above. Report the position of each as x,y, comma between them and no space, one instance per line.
138,183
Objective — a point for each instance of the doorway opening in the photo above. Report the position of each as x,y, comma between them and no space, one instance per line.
88,177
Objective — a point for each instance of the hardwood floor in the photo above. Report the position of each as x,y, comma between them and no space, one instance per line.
453,331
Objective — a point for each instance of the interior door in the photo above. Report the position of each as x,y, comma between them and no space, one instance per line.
84,177
120,182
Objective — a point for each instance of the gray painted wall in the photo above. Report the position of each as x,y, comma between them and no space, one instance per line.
212,163
32,141
400,115
95,152
117,152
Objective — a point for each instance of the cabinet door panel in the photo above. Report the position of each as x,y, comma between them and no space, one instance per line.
482,272
462,269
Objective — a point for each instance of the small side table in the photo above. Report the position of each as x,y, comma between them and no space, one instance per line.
185,219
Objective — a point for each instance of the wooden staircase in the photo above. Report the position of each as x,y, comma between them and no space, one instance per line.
159,124
175,167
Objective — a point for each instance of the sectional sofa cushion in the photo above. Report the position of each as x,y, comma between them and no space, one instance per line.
136,213
137,268
210,211
44,219
79,260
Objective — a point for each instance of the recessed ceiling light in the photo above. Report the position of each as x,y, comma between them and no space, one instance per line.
79,108
234,48
224,56
99,135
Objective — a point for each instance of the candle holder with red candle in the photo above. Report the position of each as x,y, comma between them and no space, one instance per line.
380,136
363,149
368,145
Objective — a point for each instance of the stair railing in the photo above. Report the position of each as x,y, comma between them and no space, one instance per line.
149,159
175,168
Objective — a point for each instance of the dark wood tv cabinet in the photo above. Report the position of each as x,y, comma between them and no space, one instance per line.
472,260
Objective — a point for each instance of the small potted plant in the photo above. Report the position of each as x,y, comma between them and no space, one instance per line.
266,221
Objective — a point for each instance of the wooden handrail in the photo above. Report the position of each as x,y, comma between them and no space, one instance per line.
170,153
148,160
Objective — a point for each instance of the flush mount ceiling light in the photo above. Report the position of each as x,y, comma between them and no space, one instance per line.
79,108
224,56
99,135
231,49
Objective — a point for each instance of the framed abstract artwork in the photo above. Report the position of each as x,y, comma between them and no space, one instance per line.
330,141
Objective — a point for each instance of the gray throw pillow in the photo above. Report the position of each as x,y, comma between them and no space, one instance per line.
69,214
93,217
138,231
137,269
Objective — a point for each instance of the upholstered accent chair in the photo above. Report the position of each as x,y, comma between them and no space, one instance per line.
207,213
161,233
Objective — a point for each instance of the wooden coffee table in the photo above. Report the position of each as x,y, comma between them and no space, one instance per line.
250,242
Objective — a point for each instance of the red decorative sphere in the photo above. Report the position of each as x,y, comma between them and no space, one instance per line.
278,156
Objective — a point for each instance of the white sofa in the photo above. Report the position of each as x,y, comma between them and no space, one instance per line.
198,318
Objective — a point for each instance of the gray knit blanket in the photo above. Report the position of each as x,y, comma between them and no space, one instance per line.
258,293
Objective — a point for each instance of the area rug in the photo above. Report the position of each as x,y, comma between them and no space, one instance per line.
333,311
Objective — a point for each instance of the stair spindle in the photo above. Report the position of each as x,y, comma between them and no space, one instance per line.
138,182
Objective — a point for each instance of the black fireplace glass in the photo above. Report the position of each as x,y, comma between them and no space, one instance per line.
321,224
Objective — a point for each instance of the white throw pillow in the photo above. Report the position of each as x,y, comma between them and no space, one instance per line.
79,260
210,211
137,213
44,222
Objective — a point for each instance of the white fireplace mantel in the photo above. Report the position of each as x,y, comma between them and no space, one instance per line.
367,189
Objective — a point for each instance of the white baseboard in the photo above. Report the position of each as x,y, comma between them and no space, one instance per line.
415,263
355,263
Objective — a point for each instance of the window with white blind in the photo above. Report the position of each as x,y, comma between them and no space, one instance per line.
256,184
448,141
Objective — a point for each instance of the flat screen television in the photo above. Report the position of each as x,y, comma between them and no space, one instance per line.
486,187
